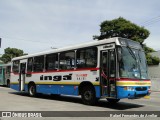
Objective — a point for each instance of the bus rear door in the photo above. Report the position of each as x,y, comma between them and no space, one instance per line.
22,75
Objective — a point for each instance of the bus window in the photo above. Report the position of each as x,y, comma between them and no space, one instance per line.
87,58
29,64
52,62
0,70
15,68
38,65
8,69
67,60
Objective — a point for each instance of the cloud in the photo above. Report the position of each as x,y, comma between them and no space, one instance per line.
40,24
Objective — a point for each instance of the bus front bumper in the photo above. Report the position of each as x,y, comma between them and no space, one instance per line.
133,92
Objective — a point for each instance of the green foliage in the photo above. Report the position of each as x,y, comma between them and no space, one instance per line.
10,53
148,49
122,28
152,60
149,59
155,60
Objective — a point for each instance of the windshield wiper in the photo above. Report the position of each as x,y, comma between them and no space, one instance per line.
131,52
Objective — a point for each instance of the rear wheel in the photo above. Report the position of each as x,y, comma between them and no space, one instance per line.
8,83
32,90
113,101
88,95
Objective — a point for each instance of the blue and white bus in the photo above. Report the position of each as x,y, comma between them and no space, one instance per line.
5,70
112,68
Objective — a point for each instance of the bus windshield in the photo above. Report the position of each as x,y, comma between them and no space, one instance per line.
132,63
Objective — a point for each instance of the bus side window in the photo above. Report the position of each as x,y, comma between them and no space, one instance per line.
30,65
0,70
38,65
8,69
87,58
52,62
67,60
15,68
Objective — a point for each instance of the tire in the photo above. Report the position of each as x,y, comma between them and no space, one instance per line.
32,90
8,83
113,101
88,95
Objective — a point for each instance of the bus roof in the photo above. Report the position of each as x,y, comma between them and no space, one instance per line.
87,44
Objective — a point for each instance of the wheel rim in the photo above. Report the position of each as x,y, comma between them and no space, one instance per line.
32,90
88,95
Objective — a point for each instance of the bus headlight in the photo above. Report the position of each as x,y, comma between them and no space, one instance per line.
129,88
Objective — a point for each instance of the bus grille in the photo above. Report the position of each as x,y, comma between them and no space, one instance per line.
141,88
140,95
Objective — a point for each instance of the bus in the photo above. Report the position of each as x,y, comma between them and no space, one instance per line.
113,68
5,70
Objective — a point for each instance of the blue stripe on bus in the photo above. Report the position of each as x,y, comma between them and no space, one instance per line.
56,89
73,90
15,86
62,89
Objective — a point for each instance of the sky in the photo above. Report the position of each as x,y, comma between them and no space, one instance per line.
39,25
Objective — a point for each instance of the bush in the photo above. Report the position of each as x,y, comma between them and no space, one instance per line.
152,60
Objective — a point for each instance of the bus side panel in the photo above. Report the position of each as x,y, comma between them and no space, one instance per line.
62,89
47,89
14,83
98,91
68,89
57,89
123,93
1,76
15,86
1,79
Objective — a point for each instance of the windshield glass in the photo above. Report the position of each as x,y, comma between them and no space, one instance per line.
132,63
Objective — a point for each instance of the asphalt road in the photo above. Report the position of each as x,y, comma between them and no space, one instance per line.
11,100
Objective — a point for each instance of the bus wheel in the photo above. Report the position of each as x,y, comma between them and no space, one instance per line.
112,101
32,90
8,83
88,95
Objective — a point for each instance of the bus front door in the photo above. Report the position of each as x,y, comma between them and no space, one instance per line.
108,73
22,76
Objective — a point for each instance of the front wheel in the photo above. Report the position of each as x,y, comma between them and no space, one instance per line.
32,90
88,96
113,101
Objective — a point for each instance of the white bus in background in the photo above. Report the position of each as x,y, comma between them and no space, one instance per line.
113,68
5,70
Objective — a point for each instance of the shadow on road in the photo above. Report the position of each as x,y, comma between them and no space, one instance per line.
101,103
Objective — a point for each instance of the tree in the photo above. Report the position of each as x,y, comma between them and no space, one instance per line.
151,60
10,53
121,27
